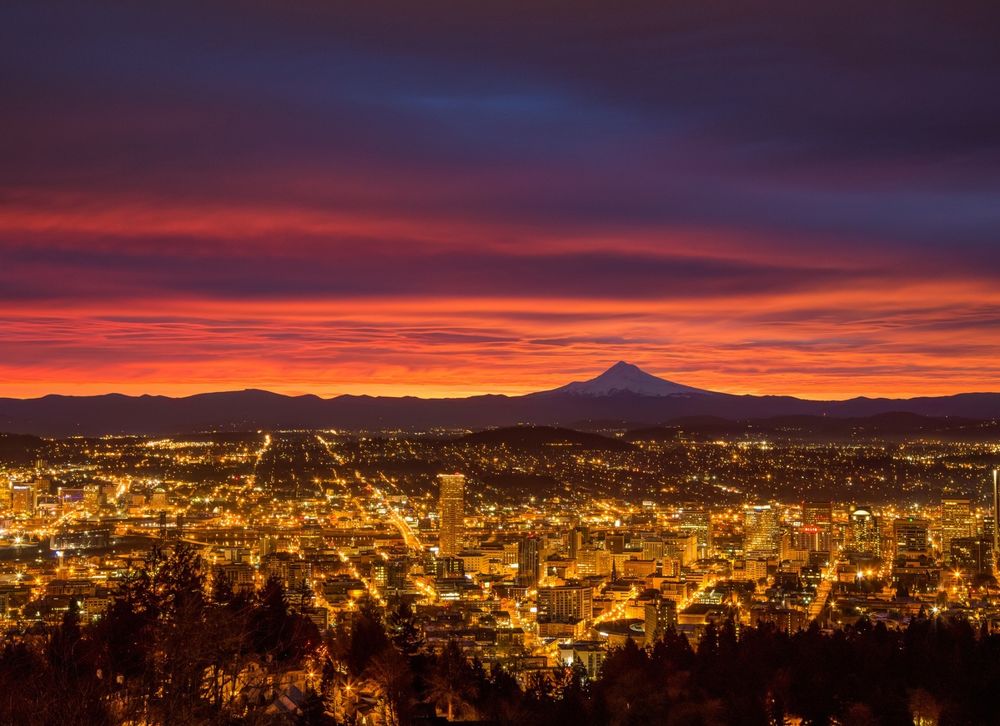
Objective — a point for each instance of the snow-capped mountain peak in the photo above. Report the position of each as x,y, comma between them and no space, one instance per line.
625,377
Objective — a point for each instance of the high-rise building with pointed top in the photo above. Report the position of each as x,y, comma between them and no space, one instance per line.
451,510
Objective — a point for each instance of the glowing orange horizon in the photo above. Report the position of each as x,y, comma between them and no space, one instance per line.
102,318
789,385
443,347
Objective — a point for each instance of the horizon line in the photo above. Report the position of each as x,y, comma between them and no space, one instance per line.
469,396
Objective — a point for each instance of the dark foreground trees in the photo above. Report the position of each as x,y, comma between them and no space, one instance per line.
176,649
167,650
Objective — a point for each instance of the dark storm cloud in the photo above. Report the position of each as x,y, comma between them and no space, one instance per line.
389,271
850,120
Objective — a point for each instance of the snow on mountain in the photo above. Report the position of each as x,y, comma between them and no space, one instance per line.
624,377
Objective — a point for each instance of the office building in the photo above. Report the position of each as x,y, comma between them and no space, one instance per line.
909,537
956,521
681,546
576,539
447,568
451,510
659,616
996,520
566,602
528,561
22,499
863,533
971,556
696,520
652,549
761,533
815,533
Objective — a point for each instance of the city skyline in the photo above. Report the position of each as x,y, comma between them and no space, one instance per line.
303,561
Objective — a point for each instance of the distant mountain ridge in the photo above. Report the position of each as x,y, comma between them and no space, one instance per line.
622,393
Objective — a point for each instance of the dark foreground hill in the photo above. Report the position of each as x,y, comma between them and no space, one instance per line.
20,449
886,426
539,437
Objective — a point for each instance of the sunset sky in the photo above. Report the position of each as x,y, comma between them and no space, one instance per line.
448,198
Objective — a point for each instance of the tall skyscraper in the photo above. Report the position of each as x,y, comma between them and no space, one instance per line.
816,532
761,533
451,510
697,521
22,499
996,522
864,532
576,539
956,521
529,560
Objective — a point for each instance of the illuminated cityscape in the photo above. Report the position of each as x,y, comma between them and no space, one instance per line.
542,555
554,363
